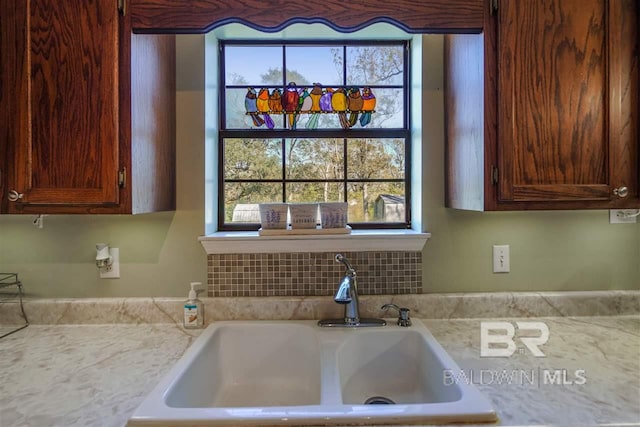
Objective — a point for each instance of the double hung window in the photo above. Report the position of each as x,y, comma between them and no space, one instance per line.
314,122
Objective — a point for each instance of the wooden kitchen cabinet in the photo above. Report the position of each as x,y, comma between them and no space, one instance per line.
542,108
87,109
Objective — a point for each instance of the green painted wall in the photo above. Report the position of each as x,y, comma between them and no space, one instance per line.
160,254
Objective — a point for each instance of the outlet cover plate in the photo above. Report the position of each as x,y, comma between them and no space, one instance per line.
616,216
113,271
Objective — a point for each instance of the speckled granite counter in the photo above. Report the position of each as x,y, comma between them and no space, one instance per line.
96,375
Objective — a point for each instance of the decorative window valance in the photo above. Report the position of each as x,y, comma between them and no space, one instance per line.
412,16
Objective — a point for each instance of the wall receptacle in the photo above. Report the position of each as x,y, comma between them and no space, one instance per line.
623,216
112,271
501,258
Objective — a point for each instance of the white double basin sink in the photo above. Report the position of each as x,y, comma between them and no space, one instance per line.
297,373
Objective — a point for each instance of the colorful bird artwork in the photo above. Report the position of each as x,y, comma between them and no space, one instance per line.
315,96
339,105
294,101
263,107
368,105
290,103
305,102
251,106
275,101
354,103
325,100
263,100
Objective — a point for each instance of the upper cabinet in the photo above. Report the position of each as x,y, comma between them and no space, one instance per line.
87,109
201,16
542,108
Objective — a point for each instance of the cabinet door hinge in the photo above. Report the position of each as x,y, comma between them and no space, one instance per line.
493,4
494,175
122,7
122,178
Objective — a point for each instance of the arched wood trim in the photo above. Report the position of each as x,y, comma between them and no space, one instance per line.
412,16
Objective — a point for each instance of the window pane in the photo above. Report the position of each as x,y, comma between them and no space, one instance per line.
389,109
242,198
298,192
236,112
375,65
314,64
252,159
376,202
253,65
339,87
315,158
375,158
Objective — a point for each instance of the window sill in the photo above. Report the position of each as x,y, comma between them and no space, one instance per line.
226,242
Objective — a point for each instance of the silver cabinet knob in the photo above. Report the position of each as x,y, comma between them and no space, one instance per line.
621,192
14,196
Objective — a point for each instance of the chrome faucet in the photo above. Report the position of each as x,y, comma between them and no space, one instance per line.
347,294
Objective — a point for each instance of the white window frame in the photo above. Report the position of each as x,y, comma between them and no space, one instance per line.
215,241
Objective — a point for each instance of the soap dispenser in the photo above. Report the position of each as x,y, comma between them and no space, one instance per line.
194,308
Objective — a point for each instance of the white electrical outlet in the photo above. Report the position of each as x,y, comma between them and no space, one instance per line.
622,216
500,258
112,271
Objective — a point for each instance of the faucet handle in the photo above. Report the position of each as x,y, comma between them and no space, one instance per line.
403,314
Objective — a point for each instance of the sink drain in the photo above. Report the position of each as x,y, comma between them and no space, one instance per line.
379,400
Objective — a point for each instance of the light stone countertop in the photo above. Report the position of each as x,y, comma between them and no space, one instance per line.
96,375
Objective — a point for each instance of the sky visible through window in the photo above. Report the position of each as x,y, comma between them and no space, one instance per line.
314,63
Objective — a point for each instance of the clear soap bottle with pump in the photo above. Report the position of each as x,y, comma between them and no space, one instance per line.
194,308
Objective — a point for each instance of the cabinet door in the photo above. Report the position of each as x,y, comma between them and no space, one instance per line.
567,101
66,151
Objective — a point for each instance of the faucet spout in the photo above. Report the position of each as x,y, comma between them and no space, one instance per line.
343,294
341,258
347,295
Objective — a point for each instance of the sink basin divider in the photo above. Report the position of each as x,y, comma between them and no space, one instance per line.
331,393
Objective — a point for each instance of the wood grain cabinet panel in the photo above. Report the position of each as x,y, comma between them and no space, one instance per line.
559,96
71,78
